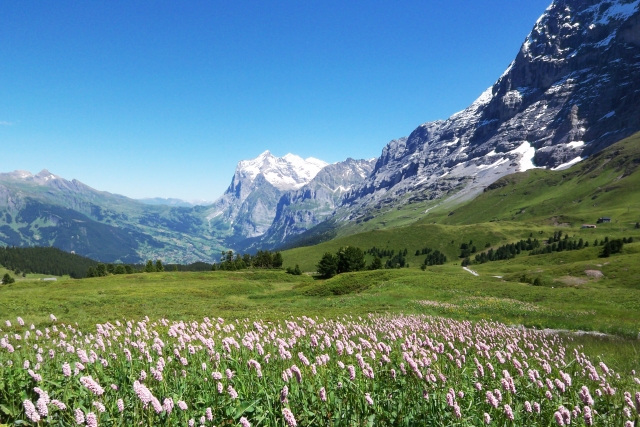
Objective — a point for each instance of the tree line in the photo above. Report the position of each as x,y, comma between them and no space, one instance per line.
45,260
231,261
351,258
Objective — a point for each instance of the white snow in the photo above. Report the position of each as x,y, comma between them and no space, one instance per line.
618,11
576,144
342,189
568,164
494,164
608,115
608,40
527,152
289,171
470,271
23,174
470,112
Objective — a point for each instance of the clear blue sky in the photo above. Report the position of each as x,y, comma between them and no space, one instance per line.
163,98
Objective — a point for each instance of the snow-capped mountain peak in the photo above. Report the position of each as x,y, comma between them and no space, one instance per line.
285,173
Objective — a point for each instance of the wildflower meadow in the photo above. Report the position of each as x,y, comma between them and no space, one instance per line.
382,370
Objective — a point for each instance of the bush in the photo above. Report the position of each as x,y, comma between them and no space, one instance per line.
295,271
7,279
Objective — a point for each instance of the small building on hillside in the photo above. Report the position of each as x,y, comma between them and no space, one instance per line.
589,226
604,220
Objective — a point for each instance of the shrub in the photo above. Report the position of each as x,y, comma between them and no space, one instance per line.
295,271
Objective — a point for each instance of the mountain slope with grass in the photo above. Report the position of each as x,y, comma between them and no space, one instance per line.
533,204
47,210
607,184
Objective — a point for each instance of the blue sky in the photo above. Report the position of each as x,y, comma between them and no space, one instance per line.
162,99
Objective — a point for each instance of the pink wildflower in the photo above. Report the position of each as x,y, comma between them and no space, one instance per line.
61,406
167,405
232,392
30,410
289,418
92,385
92,420
79,415
244,422
182,405
368,398
508,412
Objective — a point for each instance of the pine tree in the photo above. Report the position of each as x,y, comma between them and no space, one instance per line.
7,279
350,259
149,268
159,266
277,260
328,265
101,270
376,264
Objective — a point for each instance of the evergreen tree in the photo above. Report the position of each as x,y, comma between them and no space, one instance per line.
159,266
328,265
7,279
350,259
128,269
119,269
175,267
277,260
376,264
91,272
101,270
149,268
637,225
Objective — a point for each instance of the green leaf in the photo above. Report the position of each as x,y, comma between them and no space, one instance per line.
6,410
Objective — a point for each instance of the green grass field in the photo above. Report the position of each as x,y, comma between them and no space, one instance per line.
579,290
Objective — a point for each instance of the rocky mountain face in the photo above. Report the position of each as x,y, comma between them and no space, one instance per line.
247,208
47,210
573,89
304,208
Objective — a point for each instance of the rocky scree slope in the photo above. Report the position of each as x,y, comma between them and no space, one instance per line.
573,90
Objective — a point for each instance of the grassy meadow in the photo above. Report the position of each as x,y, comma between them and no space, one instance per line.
576,291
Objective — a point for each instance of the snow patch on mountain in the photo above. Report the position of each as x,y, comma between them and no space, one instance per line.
618,10
568,164
285,173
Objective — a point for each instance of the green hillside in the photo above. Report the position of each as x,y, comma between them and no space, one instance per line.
533,204
606,184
